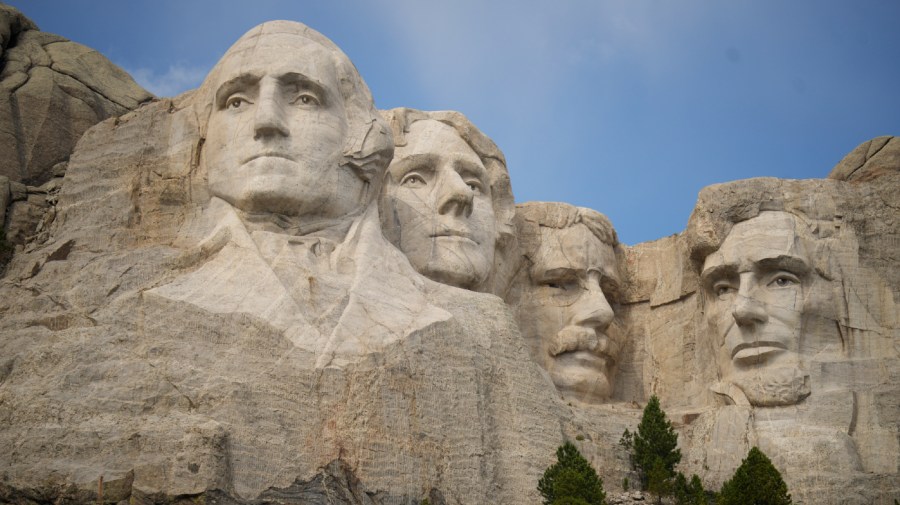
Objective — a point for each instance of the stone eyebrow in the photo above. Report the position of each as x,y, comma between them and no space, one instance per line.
792,264
417,161
228,87
717,272
471,167
554,273
305,83
609,275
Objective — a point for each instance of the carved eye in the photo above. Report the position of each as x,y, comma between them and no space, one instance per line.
563,285
307,99
783,280
722,289
413,180
475,186
235,102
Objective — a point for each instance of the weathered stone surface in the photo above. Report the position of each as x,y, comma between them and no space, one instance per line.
870,160
5,197
144,335
203,306
564,295
447,201
804,270
51,91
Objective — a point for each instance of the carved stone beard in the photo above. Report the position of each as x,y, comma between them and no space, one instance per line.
778,387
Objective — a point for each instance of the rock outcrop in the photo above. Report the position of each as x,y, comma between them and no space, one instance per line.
189,322
51,91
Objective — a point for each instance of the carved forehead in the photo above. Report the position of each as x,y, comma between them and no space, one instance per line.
573,248
277,54
429,136
768,236
286,34
280,47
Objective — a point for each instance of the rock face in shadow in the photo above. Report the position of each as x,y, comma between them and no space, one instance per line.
51,91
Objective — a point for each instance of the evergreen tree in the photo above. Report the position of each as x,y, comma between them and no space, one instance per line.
689,493
571,480
755,482
655,440
659,480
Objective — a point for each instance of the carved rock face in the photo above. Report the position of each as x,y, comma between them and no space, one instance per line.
438,196
758,288
564,313
277,128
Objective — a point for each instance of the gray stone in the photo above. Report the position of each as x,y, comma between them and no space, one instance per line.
5,198
51,91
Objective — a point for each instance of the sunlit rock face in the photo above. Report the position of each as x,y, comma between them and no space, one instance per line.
447,202
564,296
183,329
759,287
797,311
230,305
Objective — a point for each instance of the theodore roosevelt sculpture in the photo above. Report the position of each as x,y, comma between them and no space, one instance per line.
447,202
294,154
564,296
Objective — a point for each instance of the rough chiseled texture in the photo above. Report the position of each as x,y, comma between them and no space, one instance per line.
170,333
51,91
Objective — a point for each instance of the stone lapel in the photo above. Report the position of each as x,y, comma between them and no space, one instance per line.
340,301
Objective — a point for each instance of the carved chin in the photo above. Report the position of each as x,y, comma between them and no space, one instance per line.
585,384
778,387
460,268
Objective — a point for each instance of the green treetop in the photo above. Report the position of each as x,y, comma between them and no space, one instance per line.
571,480
755,482
655,440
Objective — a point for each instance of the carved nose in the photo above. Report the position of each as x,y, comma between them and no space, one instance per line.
455,196
593,310
269,119
748,311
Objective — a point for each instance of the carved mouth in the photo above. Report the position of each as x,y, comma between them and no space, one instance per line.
585,359
269,155
756,351
450,233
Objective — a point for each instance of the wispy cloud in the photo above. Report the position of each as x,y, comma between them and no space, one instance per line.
172,81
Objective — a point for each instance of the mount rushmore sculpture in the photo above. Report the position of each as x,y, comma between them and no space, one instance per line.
267,281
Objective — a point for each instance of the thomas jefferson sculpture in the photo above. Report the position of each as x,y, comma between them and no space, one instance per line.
447,202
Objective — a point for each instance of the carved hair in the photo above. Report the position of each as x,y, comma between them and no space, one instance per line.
368,146
502,199
721,206
562,215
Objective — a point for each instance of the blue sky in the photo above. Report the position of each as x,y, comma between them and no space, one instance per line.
629,107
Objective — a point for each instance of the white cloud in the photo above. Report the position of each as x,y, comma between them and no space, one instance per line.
175,80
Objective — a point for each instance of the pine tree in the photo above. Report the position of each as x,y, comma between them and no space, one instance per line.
654,440
755,482
571,480
659,481
689,493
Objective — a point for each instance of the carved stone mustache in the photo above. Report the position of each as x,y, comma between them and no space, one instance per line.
578,338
